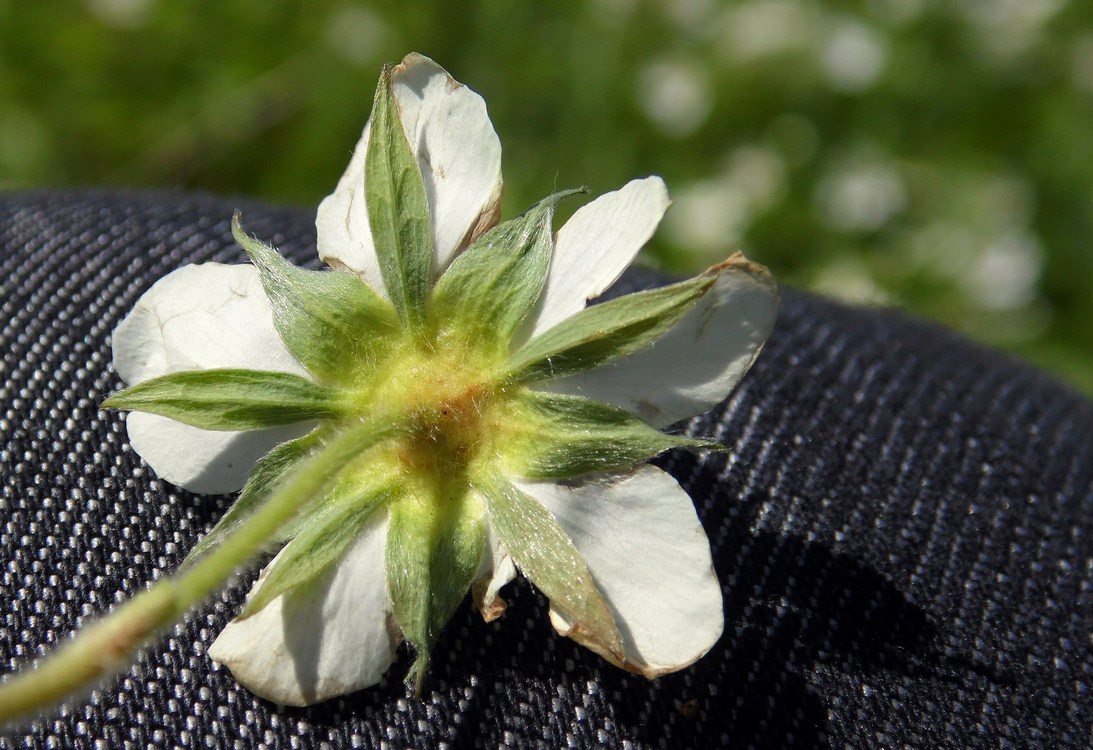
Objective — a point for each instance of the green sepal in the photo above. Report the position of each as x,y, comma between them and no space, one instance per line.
231,399
333,322
434,549
491,286
398,210
546,555
321,539
604,332
263,480
561,437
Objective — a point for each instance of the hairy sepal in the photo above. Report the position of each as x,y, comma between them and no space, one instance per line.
545,554
231,399
557,437
604,332
489,289
332,322
321,539
398,209
434,550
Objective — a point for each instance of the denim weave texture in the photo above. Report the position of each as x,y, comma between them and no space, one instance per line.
902,526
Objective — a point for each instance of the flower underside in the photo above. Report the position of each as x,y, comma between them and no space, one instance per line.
438,410
451,408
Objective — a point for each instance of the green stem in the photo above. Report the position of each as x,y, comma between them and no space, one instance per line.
108,645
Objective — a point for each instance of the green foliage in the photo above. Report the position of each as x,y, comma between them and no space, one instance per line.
933,155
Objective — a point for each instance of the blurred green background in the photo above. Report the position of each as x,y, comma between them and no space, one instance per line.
936,155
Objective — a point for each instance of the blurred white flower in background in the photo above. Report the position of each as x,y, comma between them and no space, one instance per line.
897,12
850,280
1081,71
692,17
124,13
1005,271
713,214
356,33
762,28
853,56
675,95
1009,28
860,195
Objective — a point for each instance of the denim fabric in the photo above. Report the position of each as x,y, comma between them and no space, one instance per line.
901,525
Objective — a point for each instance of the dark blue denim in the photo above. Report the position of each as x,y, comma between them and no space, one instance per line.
902,525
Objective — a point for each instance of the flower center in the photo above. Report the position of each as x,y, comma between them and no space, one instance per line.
446,435
444,398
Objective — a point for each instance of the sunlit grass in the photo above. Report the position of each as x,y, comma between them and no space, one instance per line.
936,157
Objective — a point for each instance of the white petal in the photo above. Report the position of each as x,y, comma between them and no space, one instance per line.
330,638
647,551
696,364
342,233
459,154
596,245
457,148
200,317
203,461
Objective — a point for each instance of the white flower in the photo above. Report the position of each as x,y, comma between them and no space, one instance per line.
498,456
